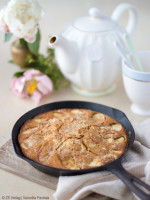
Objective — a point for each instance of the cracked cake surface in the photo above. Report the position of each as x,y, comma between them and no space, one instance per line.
72,139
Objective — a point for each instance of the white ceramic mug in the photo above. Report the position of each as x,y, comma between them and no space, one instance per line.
137,84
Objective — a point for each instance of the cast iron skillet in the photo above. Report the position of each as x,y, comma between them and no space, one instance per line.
115,167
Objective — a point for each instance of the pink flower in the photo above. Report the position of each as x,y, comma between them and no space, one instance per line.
32,84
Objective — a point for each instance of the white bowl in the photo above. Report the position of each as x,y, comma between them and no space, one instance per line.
137,84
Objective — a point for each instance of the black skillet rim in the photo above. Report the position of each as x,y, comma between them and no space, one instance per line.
112,112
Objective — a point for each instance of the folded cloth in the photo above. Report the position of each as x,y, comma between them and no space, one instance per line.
104,184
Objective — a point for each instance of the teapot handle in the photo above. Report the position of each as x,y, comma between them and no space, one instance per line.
118,12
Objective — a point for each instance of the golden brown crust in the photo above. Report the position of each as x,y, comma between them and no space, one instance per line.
72,139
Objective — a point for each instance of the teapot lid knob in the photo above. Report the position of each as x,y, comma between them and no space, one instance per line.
94,12
94,22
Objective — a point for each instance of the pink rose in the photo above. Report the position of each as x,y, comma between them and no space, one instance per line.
32,84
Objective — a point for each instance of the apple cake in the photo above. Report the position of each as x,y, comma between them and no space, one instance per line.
72,139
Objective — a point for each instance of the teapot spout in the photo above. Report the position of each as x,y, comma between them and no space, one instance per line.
55,40
66,53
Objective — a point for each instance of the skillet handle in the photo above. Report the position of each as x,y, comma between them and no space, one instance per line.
133,183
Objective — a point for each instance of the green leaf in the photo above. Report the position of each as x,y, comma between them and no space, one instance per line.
22,41
34,47
11,61
20,73
7,37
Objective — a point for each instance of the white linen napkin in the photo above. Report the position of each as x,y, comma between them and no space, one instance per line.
104,184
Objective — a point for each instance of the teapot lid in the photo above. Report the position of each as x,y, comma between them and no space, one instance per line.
95,22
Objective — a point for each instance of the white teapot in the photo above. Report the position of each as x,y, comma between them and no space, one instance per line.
85,52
